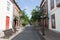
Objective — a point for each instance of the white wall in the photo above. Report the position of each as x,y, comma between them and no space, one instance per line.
57,19
4,13
10,14
55,11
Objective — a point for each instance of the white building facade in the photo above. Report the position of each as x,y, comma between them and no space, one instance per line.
6,14
54,15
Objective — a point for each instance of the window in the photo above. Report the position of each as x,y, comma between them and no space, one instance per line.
58,3
8,6
53,21
52,4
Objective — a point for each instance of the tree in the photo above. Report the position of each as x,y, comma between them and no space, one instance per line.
24,18
36,14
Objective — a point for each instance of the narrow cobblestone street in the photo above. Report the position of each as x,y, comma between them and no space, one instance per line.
29,33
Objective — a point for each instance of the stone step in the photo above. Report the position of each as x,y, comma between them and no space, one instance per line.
1,34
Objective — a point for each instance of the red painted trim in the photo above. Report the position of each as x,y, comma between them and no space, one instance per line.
7,22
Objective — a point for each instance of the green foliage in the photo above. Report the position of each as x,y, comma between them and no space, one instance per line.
36,14
24,23
24,18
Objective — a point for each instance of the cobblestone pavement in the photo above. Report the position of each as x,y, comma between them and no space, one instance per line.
29,33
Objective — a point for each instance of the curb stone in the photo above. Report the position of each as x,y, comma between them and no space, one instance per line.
41,36
16,34
19,31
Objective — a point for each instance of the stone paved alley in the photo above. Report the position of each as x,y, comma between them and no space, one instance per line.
29,33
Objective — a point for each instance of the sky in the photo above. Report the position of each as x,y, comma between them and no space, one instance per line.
29,5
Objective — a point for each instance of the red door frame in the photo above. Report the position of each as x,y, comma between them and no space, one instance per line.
7,22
